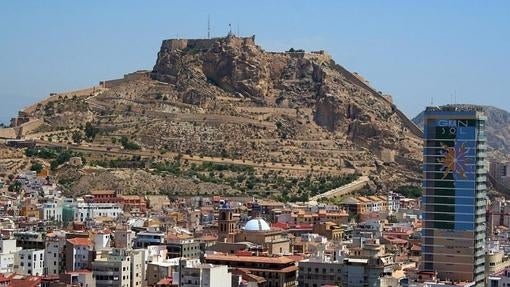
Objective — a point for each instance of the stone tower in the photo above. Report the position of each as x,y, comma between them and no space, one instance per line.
227,224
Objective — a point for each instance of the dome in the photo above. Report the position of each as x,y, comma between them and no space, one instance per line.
257,224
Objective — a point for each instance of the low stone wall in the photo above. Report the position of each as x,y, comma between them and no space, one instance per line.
136,76
31,126
7,133
343,190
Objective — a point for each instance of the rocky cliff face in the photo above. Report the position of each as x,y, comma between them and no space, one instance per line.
339,103
296,80
497,128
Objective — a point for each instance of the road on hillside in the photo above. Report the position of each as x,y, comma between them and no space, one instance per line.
171,155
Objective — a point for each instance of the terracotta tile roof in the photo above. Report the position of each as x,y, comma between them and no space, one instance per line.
165,281
395,240
4,278
29,281
208,237
80,241
247,276
255,259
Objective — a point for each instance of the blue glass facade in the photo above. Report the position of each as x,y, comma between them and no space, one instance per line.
454,197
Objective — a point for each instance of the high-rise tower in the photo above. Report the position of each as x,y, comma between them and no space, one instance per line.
455,193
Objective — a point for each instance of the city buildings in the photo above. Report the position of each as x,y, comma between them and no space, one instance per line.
206,275
29,262
78,253
54,256
82,278
29,239
363,205
8,252
500,171
454,194
259,232
277,271
144,239
319,272
52,211
211,241
119,268
186,249
90,210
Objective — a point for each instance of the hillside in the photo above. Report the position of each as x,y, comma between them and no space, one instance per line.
497,129
288,116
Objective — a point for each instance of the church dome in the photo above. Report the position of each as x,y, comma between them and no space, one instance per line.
257,224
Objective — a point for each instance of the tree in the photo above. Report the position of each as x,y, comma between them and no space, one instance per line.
37,167
15,187
410,191
90,131
77,137
123,140
127,144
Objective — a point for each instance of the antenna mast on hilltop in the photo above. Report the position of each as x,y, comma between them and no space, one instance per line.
208,27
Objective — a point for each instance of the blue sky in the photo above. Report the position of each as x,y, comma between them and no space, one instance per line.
414,50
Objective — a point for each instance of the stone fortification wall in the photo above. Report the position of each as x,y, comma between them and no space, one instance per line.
136,76
200,44
7,133
31,126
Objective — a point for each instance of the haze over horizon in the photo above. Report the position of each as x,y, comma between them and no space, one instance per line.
413,51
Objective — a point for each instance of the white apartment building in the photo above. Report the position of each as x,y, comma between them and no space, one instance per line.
102,240
8,252
52,211
84,210
78,251
29,261
393,202
54,255
206,275
120,268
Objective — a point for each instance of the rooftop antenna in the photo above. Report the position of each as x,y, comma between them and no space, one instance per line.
230,29
432,100
208,27
239,35
455,96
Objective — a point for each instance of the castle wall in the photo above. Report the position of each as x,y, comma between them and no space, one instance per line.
200,44
31,126
138,75
174,44
7,133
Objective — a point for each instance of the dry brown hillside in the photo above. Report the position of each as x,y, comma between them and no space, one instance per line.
227,100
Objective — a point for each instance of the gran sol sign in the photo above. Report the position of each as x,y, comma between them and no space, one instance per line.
453,127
